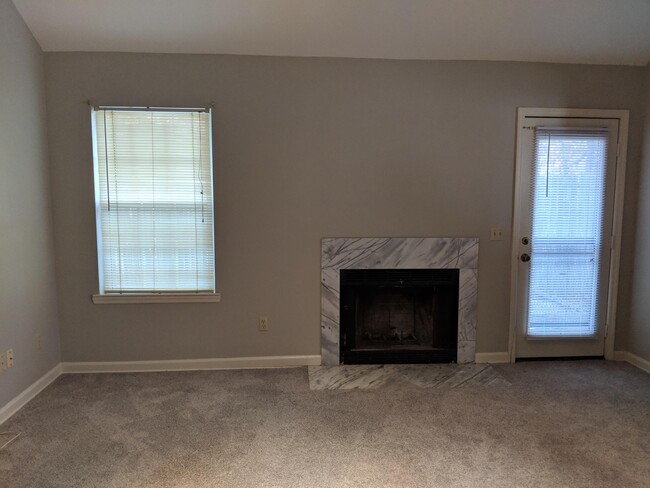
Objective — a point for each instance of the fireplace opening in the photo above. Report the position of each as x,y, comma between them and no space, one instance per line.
391,316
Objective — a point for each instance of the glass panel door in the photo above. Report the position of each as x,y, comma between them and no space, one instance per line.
564,258
569,170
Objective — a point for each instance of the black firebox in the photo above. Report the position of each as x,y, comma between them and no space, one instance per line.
391,316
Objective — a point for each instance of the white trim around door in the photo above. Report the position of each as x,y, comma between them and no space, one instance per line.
527,114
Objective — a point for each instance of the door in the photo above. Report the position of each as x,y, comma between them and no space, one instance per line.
565,212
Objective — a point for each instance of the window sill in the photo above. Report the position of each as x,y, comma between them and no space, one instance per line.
156,298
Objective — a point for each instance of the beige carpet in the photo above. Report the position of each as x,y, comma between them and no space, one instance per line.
559,424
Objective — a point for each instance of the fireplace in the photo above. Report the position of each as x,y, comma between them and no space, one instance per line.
399,316
340,254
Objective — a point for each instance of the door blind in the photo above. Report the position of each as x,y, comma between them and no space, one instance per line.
568,196
154,203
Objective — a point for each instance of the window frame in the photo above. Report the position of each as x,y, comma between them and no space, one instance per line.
179,296
524,113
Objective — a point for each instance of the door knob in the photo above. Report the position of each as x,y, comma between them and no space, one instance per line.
525,257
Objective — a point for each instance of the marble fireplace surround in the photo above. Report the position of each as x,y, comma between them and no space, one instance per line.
339,253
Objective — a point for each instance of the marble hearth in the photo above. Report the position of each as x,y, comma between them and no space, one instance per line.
398,253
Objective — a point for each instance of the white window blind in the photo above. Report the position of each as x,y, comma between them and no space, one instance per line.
154,202
568,195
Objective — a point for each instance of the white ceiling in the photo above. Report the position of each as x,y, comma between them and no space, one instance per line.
567,31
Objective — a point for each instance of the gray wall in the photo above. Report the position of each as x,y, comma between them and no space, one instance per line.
307,148
27,284
638,334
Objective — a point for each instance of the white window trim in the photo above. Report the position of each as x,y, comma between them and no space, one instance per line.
103,298
116,298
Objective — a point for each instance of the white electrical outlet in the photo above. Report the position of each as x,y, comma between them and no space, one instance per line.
496,234
10,358
3,362
264,324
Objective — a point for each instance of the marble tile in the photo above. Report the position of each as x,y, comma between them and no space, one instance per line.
451,375
399,253
7,438
350,377
364,377
489,377
466,352
426,375
467,304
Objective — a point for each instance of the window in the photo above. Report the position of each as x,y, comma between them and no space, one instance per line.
568,205
154,202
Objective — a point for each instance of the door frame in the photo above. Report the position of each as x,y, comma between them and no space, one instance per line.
619,190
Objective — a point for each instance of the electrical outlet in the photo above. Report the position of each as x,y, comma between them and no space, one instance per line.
10,358
264,324
3,362
39,342
496,234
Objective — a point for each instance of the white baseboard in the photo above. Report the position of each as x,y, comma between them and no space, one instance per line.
633,359
492,357
191,364
34,389
151,366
